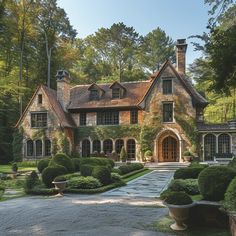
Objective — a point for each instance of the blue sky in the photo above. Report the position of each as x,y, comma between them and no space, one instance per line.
178,18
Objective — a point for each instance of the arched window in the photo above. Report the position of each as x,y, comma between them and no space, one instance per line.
86,148
107,146
119,144
224,143
47,147
96,146
209,147
131,149
30,148
39,148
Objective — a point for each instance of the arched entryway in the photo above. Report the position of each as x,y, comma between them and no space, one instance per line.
168,147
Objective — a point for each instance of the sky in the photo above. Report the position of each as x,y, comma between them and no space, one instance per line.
178,18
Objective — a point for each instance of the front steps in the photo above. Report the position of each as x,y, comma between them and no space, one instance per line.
166,166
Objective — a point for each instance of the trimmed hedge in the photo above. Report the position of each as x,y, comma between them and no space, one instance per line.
103,174
189,186
213,182
178,198
97,161
230,196
188,172
86,170
42,164
51,172
63,160
76,163
31,180
84,183
130,167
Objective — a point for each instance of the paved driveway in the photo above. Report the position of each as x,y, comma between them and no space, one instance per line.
150,185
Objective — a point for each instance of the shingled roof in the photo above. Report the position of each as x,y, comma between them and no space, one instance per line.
213,127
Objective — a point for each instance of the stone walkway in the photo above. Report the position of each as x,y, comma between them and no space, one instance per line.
149,185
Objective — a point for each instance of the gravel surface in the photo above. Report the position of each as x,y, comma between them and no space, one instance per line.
79,215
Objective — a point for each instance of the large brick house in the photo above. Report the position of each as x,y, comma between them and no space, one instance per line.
159,114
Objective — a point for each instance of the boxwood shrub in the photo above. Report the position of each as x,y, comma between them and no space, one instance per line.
178,198
51,172
103,174
97,161
189,186
213,182
188,172
42,164
76,163
130,167
63,160
31,181
88,182
86,170
230,196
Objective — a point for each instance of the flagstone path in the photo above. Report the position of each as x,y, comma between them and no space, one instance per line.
149,185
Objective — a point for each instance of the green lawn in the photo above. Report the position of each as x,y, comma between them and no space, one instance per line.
7,168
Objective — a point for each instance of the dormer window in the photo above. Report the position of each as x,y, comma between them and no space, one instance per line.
94,95
116,93
40,99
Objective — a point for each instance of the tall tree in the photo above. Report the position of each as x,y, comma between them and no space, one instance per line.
156,47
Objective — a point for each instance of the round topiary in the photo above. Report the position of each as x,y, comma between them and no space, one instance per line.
230,196
86,170
103,174
189,186
63,160
76,163
31,180
51,172
188,172
178,198
42,164
213,182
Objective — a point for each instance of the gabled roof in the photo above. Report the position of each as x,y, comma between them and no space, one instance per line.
116,83
95,86
63,117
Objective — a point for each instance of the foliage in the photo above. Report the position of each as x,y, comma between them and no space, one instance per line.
188,172
148,153
51,172
76,163
230,196
115,177
123,154
197,164
17,145
103,174
27,164
59,179
70,176
189,186
213,182
232,164
178,198
97,161
187,153
86,169
14,167
165,194
88,182
31,180
124,169
42,164
63,160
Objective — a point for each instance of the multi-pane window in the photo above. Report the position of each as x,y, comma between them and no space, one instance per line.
30,148
107,146
97,146
108,118
133,117
168,112
47,149
167,86
115,93
82,118
94,94
39,148
209,147
38,120
131,148
118,145
40,98
86,148
224,143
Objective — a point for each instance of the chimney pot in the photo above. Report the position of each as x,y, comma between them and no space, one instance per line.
181,48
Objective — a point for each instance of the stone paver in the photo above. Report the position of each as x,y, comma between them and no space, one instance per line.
149,185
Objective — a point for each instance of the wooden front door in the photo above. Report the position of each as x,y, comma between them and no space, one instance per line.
169,149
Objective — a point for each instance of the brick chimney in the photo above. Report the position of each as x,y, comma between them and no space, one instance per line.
63,88
181,48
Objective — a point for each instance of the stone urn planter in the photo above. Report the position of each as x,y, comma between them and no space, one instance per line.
187,156
60,185
232,222
179,204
